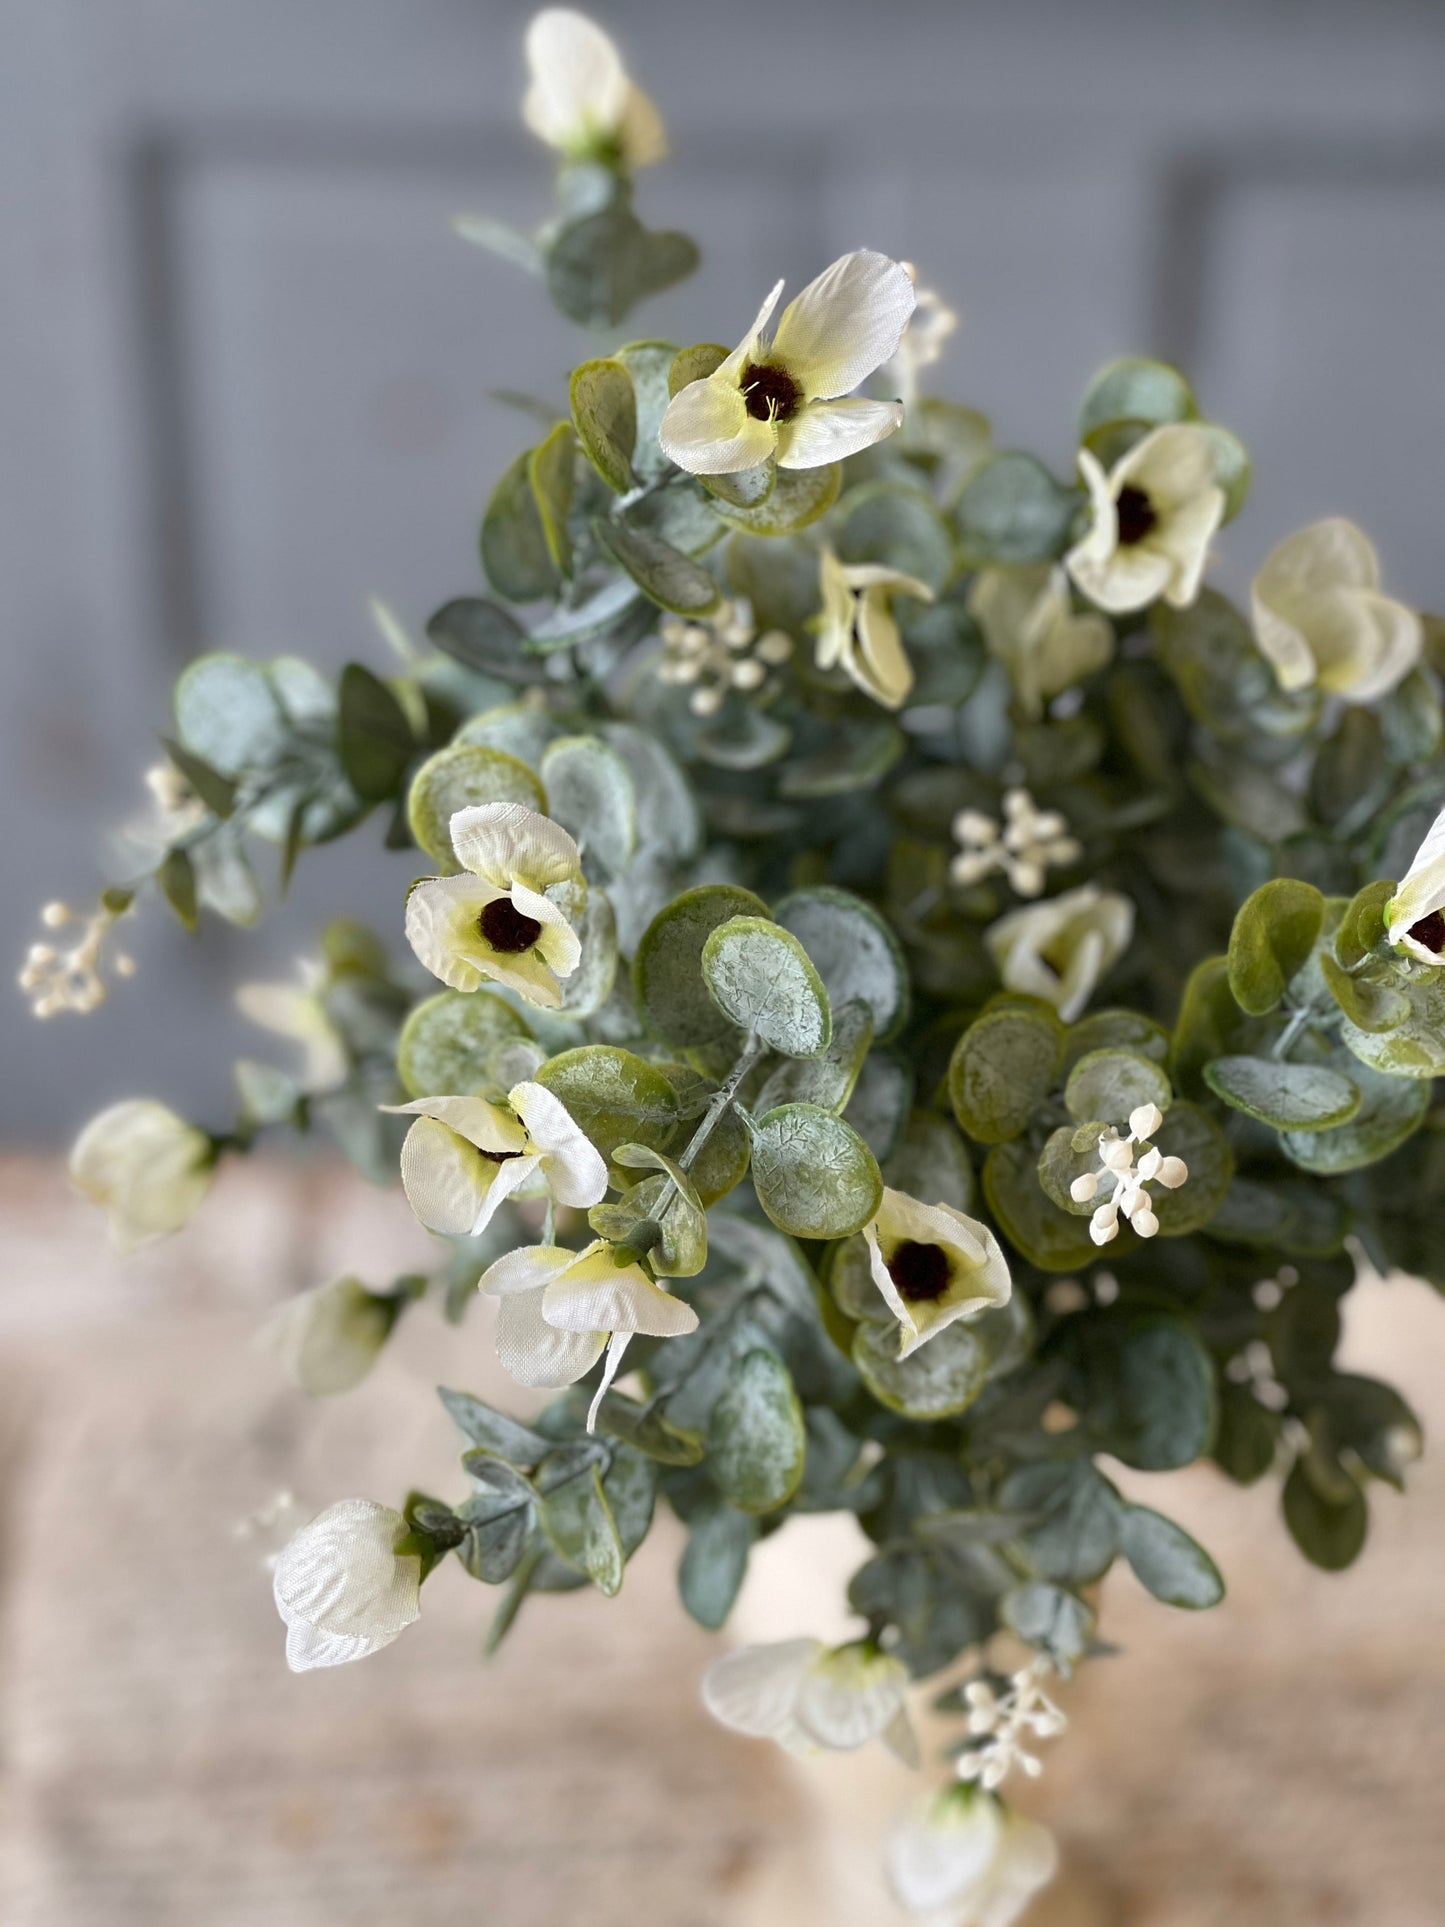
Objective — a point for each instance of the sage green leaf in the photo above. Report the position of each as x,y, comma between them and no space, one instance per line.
517,729
1109,1084
613,1096
798,497
1413,720
664,574
227,713
1247,1438
779,577
1391,1110
863,750
515,556
667,969
217,792
1352,776
878,1108
604,412
550,469
939,1380
892,523
1167,1562
1072,1151
1116,1030
1047,1617
931,1163
1003,1067
599,268
1369,1000
814,1175
590,914
1413,1047
1192,1134
457,777
177,879
1012,510
667,814
715,1563
854,951
761,979
756,1439
590,793
704,358
579,1524
1075,1531
482,636
746,488
1275,930
614,613
1231,467
374,738
493,1431
723,1160
1291,1097
648,1431
1210,652
1328,1529
1143,1384
674,1205
446,1043
649,363
1210,1025
1135,389
825,1081
1362,925
1047,1235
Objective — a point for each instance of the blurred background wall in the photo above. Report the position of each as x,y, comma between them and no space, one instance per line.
246,362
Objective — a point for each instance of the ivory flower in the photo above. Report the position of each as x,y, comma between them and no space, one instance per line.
1321,620
464,1156
146,1166
1415,915
966,1859
559,1309
1024,847
580,100
328,1338
493,921
1060,949
857,629
782,398
933,1265
1028,621
1154,515
811,1697
342,1588
296,1011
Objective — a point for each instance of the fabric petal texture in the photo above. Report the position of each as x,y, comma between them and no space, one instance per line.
342,1582
576,1171
845,323
829,431
1420,894
507,842
848,1697
754,1690
708,431
146,1166
538,1354
595,1294
940,1852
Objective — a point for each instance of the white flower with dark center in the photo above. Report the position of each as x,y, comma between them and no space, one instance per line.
1154,516
70,976
464,1156
1060,949
1006,1724
560,1309
581,100
495,922
810,1697
1322,621
1023,848
1028,621
1415,915
857,629
786,398
933,1265
964,1859
328,1338
297,1012
342,1588
722,653
146,1166
1128,1195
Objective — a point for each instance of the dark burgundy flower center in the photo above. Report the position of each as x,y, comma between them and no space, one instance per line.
921,1272
498,1157
1430,931
506,929
770,393
1136,514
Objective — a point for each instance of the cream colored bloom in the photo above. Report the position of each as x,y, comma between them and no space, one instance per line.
342,1588
559,1309
328,1338
146,1166
933,1265
464,1156
494,921
1154,515
1321,620
296,1011
1028,621
965,1858
810,1697
580,100
1060,949
1415,915
857,629
783,398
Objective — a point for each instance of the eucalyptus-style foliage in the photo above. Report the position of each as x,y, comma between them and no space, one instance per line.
937,842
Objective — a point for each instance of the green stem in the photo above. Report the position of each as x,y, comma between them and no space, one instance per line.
722,1102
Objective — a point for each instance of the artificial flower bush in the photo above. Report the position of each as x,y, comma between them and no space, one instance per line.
909,992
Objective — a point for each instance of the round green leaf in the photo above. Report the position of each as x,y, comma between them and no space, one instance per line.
1291,1097
931,1163
1415,1046
664,574
799,496
515,555
591,916
1192,1134
943,1377
1143,1383
483,636
517,729
1116,1030
1135,389
756,1439
1329,1530
457,777
1002,1069
614,1096
1048,1236
694,364
1109,1084
1012,510
763,980
826,1081
604,411
447,1042
667,969
814,1175
1391,1110
589,792
854,951
227,714
1167,1562
890,523
551,471
723,1160
1274,932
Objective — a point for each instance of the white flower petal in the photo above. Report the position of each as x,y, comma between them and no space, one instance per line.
1131,578
708,431
850,1696
845,324
941,1851
1422,888
536,1353
486,1125
754,1689
527,1269
508,843
616,1345
596,1294
146,1166
1172,464
446,1180
643,136
341,1577
558,943
576,1171
1185,537
579,89
749,347
879,664
441,927
828,431
327,1339
980,1274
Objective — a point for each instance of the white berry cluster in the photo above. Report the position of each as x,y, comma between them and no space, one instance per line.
1004,1721
1023,848
725,652
68,977
1129,1194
